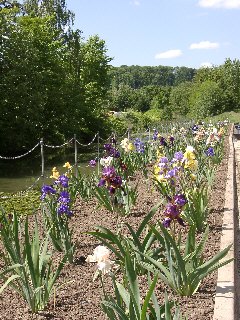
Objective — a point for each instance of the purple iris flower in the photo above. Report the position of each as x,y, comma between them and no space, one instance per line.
108,172
92,163
139,145
180,200
171,210
101,182
116,181
64,209
166,222
111,151
155,135
115,153
112,189
163,142
46,189
171,173
107,146
64,197
210,152
63,181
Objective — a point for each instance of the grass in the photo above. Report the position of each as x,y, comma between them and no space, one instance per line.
23,204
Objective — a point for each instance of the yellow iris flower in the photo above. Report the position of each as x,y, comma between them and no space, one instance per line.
67,165
55,173
192,164
130,146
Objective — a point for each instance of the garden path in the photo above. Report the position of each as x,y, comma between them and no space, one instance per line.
237,226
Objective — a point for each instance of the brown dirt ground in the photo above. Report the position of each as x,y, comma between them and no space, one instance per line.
80,297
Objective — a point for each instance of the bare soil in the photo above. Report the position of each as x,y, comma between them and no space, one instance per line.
79,297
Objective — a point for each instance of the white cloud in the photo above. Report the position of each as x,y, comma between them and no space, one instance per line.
204,45
228,4
135,2
206,65
169,54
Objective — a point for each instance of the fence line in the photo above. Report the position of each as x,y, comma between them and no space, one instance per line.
42,145
21,156
62,145
76,143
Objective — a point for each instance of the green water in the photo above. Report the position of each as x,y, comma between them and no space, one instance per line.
24,181
20,174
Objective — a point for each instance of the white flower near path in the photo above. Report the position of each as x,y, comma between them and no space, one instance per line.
105,266
101,255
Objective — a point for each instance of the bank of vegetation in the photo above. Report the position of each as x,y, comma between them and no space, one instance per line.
55,83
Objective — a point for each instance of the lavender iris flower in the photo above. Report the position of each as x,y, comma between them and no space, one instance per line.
139,145
178,155
163,160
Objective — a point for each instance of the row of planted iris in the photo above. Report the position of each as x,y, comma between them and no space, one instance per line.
181,167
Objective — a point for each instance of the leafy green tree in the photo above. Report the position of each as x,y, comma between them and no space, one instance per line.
31,86
179,98
122,98
53,83
161,100
206,99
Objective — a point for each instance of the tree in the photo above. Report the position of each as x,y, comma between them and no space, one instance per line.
206,100
179,98
53,84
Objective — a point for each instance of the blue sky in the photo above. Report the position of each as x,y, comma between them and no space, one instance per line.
191,33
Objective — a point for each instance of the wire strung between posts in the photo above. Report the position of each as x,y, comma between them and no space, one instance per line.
107,139
62,145
86,145
21,193
21,156
120,137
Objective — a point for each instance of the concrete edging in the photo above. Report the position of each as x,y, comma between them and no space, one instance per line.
224,307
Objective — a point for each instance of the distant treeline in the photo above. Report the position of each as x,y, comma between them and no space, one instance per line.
151,94
141,76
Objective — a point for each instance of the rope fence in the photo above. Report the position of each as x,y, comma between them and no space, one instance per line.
22,155
72,142
75,143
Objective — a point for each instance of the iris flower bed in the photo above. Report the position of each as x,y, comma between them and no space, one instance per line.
139,241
